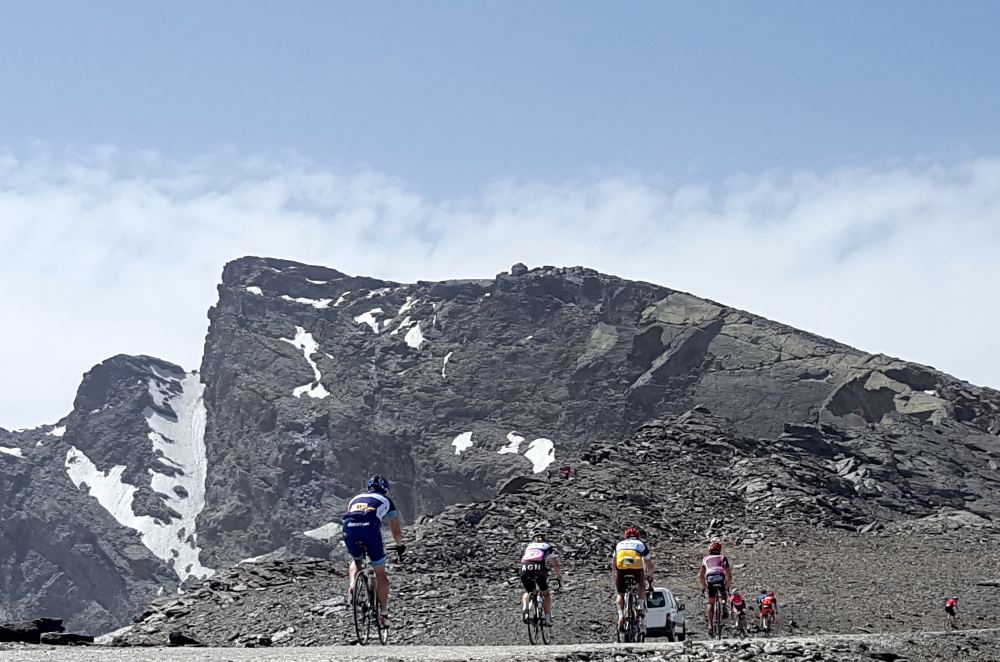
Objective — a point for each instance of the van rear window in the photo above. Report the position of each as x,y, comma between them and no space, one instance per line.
655,600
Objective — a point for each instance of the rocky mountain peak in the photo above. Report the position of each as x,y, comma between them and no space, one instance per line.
457,390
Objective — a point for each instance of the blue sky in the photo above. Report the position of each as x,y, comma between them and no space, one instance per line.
834,166
449,95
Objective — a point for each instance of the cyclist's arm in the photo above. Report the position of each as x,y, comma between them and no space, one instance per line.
647,562
556,568
701,577
729,575
396,529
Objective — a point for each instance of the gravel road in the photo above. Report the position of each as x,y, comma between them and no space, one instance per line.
981,645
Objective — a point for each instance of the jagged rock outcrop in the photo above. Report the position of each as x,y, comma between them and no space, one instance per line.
311,378
683,480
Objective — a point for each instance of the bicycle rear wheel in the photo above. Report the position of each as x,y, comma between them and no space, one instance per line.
718,620
533,634
361,608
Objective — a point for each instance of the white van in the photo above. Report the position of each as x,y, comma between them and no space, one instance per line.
665,615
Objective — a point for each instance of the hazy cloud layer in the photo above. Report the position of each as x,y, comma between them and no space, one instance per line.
104,253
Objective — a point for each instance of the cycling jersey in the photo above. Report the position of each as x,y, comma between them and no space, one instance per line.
715,565
535,566
363,526
768,604
629,554
536,557
370,506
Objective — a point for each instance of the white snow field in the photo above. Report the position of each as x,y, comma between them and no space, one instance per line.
179,440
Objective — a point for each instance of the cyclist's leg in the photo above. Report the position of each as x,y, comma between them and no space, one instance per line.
382,580
620,596
528,583
710,609
376,553
543,587
355,548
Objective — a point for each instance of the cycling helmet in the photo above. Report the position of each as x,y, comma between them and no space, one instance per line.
631,532
378,484
537,535
770,594
715,548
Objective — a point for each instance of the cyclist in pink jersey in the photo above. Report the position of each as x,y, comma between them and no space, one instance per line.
536,560
716,576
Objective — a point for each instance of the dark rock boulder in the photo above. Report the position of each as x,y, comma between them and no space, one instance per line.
65,639
30,632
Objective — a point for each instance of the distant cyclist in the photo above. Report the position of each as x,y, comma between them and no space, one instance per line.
363,535
951,610
769,607
715,576
536,559
632,559
738,603
740,609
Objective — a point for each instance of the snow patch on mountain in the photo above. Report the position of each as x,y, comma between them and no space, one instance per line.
16,452
379,292
415,337
116,497
515,444
315,303
406,323
462,442
542,453
305,341
180,440
444,365
410,301
328,531
369,318
57,431
341,298
253,289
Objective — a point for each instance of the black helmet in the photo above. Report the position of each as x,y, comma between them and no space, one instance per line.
537,535
378,484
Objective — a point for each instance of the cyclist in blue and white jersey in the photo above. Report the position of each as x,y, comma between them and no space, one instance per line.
363,535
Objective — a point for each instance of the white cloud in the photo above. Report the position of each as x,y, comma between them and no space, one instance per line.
104,253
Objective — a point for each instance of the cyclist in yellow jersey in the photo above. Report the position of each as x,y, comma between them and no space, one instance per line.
632,559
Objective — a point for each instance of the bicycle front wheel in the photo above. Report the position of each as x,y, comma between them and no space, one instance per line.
545,630
533,634
361,608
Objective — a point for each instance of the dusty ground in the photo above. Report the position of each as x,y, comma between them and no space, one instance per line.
831,583
979,645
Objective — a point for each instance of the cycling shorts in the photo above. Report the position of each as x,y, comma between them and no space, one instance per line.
621,575
363,537
534,578
717,586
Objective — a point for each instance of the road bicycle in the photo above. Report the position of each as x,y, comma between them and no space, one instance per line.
631,631
538,631
741,623
719,613
951,620
766,622
364,601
